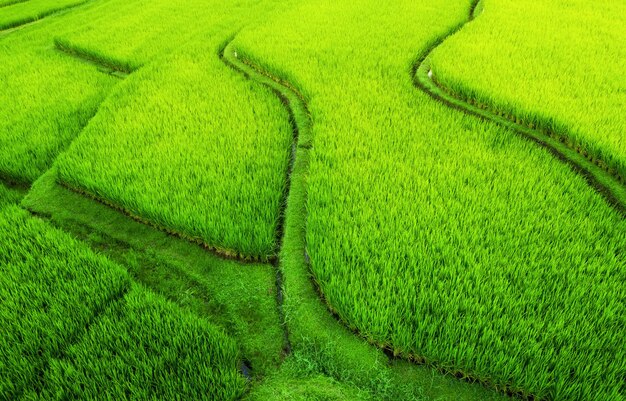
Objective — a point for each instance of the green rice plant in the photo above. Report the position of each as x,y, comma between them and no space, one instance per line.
556,65
51,287
109,30
14,13
145,348
441,238
321,348
182,126
46,99
190,146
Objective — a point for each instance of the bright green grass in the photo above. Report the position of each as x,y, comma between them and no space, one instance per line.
24,12
322,349
46,99
434,234
145,348
71,330
171,134
554,64
51,286
300,380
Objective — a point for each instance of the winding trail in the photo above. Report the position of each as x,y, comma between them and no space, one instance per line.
293,203
611,186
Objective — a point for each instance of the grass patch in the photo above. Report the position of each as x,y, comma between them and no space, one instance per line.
19,13
559,75
156,158
240,298
47,98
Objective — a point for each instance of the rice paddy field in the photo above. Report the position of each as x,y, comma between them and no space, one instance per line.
312,200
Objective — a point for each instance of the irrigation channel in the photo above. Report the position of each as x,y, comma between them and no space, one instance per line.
300,121
596,172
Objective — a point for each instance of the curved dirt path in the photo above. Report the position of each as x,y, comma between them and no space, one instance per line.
611,186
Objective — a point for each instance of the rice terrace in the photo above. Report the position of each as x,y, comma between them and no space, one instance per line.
315,200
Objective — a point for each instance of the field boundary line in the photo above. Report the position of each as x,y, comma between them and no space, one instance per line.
222,253
27,21
301,287
11,3
596,172
309,318
75,336
294,195
109,68
14,182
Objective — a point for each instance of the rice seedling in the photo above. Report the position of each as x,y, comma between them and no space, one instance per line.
441,238
556,73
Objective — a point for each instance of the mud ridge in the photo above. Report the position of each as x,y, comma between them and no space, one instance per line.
286,93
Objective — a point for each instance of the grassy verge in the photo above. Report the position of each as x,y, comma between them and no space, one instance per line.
238,297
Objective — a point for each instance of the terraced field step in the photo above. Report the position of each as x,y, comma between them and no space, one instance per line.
597,173
239,297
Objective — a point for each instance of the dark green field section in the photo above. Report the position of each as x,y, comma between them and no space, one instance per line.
144,339
71,316
238,297
51,289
